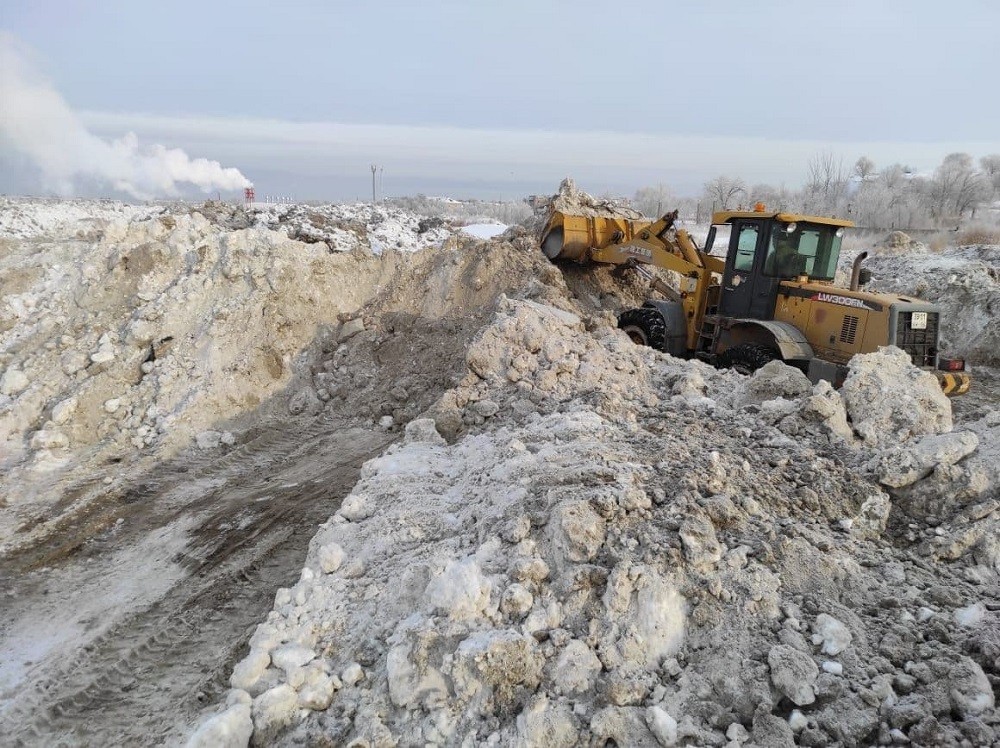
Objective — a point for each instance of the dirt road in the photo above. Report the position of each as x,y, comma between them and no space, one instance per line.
124,635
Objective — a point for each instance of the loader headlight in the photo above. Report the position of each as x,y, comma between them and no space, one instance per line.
839,232
790,228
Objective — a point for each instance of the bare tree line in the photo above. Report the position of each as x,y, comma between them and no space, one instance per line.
889,197
883,198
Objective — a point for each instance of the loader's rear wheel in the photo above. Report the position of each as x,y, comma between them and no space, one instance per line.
645,326
746,358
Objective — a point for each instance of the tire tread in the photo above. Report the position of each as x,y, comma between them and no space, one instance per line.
747,356
649,321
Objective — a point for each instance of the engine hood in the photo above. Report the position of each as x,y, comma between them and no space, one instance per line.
860,299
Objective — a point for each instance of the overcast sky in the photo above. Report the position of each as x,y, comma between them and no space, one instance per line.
486,98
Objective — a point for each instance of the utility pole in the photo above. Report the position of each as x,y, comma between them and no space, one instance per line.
374,169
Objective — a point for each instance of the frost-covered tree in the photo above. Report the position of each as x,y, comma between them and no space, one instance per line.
825,183
725,192
773,198
654,201
956,187
877,205
990,166
864,167
892,176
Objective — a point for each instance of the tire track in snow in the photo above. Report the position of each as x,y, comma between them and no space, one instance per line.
254,524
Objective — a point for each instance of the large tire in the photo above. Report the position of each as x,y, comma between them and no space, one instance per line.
746,358
645,326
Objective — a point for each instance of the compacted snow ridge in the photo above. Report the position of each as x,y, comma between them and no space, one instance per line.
346,475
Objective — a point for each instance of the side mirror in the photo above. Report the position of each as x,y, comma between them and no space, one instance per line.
864,276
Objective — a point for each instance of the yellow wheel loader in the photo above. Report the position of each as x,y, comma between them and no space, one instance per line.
772,296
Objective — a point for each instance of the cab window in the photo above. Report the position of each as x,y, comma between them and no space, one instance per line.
809,250
783,258
746,247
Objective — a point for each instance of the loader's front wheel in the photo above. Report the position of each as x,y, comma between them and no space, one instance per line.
645,326
746,358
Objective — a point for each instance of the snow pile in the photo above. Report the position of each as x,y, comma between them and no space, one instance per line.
345,228
614,545
123,334
274,368
893,401
571,199
898,242
35,218
965,281
129,339
574,541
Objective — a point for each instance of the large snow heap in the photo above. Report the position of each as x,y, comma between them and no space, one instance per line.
624,546
135,330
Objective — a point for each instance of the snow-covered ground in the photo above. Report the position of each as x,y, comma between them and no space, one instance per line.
484,230
570,542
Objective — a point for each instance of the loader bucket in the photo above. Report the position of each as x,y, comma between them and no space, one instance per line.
569,237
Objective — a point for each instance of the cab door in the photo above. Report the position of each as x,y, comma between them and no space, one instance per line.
741,267
746,291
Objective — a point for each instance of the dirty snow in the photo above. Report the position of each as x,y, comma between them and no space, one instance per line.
591,558
360,226
965,281
555,538
32,218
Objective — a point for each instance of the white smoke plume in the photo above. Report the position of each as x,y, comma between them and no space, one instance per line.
36,121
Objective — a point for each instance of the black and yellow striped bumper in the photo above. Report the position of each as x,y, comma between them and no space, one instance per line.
954,382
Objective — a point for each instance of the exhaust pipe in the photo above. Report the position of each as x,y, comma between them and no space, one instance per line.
856,271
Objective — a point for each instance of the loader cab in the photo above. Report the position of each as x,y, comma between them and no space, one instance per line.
765,250
747,292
